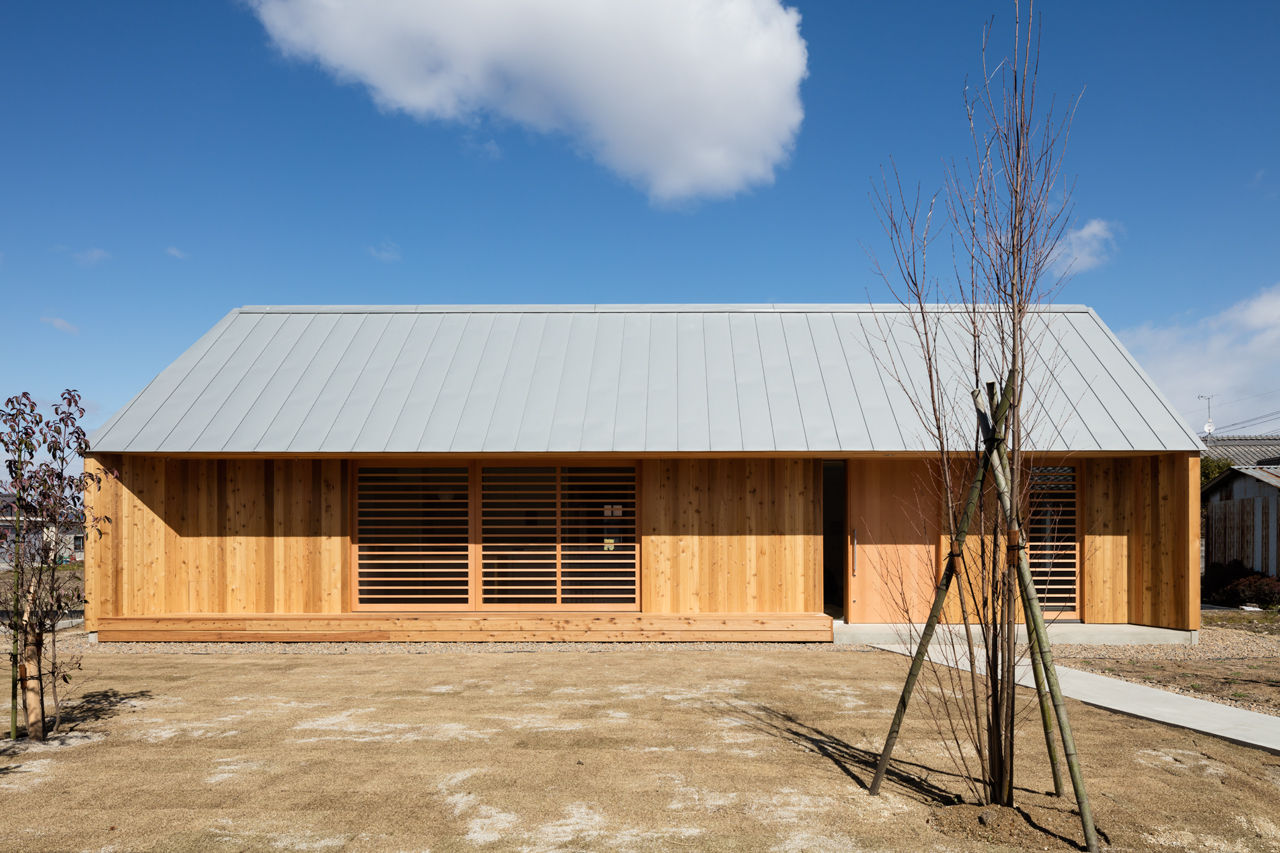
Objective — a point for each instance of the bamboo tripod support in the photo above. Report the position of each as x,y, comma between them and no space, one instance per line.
1046,677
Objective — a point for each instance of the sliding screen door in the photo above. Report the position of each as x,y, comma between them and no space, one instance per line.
496,538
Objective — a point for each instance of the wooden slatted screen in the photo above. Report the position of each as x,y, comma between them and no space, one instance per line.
412,528
598,536
519,524
559,538
1052,546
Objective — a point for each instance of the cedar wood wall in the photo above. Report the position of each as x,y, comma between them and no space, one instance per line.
1138,539
241,535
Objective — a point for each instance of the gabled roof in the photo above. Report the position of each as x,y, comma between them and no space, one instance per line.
1268,474
1243,449
611,378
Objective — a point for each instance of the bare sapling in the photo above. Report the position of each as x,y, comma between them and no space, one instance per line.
1006,213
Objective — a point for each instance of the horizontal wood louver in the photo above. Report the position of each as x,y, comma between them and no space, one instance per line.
598,536
412,527
1052,545
519,536
559,537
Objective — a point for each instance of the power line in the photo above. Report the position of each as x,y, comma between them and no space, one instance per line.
1256,420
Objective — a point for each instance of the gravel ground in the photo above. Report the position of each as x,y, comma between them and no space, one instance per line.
734,747
1229,666
1215,644
76,642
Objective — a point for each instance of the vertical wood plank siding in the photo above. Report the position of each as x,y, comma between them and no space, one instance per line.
226,536
1138,532
731,535
1140,523
236,536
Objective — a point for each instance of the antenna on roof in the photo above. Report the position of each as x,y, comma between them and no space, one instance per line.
1208,424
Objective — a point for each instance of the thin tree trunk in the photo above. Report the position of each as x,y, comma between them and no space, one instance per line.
1035,621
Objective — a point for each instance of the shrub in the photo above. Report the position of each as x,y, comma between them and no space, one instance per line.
1218,577
1255,589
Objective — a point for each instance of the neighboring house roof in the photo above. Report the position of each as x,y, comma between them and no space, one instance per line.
613,378
1243,449
1268,474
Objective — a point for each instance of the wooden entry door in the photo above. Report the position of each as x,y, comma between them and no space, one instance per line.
496,537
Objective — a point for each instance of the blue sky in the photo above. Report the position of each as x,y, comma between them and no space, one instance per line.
163,163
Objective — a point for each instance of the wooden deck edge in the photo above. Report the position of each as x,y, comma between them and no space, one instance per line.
469,627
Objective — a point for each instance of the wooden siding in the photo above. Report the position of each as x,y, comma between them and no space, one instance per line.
474,627
1245,529
895,529
1140,520
218,536
735,536
1138,534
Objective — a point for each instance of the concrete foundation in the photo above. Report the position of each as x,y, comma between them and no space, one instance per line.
1059,632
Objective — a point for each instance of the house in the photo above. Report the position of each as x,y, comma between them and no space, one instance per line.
1244,449
70,547
1242,517
715,472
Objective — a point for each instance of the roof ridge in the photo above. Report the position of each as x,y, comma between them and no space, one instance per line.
638,308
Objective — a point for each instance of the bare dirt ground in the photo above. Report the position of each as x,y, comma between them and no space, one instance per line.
573,747
1236,662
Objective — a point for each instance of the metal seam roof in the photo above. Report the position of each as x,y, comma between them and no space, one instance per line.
611,378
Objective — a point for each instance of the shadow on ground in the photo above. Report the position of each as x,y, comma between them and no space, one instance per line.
859,764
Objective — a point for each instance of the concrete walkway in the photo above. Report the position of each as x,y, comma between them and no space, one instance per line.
1225,721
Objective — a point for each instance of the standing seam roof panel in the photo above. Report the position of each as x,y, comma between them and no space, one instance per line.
660,411
602,387
338,386
248,393
385,410
811,391
442,419
178,402
753,397
234,373
533,430
512,399
784,405
633,379
724,419
478,409
143,405
299,400
350,418
405,379
571,396
405,432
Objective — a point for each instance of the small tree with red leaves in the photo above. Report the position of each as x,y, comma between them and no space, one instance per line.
44,463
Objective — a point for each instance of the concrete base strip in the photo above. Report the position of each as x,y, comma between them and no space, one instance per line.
1059,632
1225,721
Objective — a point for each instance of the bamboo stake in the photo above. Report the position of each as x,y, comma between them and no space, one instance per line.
1035,619
939,599
1046,708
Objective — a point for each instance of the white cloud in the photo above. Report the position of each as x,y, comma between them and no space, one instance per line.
1086,247
61,325
175,252
686,98
386,251
91,257
1233,354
